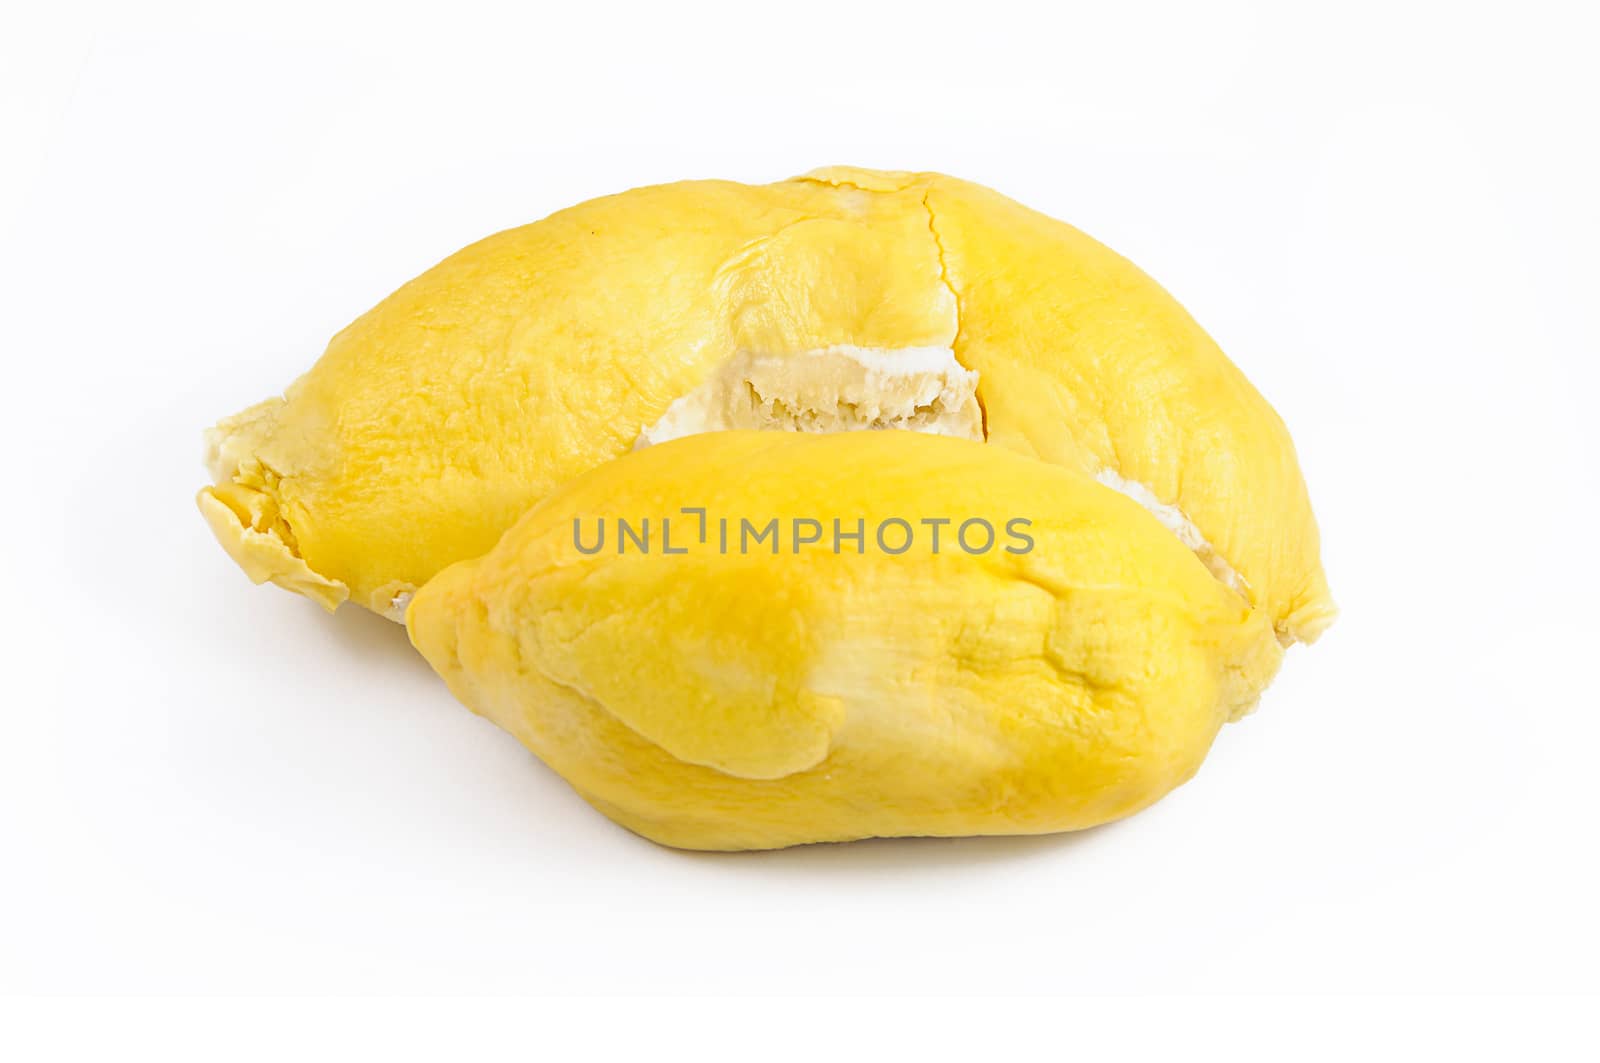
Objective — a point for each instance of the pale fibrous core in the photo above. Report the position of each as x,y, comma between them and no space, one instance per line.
835,389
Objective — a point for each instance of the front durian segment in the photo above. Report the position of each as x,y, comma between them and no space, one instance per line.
847,299
922,675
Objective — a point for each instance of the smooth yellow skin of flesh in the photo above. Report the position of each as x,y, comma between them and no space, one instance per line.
435,420
746,701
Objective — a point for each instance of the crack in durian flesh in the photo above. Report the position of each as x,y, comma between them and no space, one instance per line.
1177,521
848,389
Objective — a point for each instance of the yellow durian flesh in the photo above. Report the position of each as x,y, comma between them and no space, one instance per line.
754,700
1108,373
435,420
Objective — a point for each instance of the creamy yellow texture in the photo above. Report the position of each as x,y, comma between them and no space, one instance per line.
753,700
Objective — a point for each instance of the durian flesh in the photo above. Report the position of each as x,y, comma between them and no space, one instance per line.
739,699
841,389
483,386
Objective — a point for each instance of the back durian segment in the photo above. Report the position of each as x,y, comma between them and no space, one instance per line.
842,300
738,699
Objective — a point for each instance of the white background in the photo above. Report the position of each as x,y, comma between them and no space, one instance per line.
1387,216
